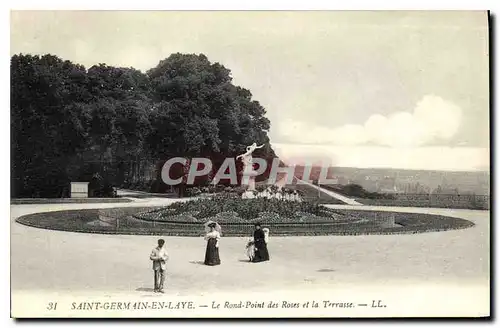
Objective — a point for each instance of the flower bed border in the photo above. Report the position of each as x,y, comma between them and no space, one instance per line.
75,221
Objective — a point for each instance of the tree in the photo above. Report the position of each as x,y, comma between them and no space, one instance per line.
199,112
70,123
47,109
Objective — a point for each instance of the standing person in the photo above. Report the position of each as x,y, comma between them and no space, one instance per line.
212,237
159,256
259,238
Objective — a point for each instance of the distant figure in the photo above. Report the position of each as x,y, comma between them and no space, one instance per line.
159,256
260,244
212,237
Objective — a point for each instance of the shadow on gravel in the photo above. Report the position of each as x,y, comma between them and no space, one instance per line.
197,262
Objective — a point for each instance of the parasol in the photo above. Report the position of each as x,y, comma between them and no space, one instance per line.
217,226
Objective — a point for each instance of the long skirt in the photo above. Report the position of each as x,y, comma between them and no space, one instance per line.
261,252
212,253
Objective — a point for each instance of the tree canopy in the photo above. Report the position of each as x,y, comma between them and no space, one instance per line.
70,123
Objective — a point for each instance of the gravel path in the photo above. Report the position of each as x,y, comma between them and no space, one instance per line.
65,262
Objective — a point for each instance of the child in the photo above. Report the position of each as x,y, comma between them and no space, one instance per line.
250,249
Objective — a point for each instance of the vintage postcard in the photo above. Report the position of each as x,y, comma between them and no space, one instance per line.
261,164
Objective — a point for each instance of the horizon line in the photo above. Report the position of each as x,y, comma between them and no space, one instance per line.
397,168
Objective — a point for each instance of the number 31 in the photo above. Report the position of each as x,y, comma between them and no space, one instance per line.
52,306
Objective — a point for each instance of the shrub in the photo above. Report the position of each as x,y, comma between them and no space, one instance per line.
260,188
99,187
274,189
193,191
268,217
228,217
239,190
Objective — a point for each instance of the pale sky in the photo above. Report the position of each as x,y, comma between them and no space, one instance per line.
362,89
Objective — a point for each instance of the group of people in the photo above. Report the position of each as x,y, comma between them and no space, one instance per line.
256,250
256,247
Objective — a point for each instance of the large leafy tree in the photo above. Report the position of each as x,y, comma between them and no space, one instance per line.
71,123
119,123
201,113
48,97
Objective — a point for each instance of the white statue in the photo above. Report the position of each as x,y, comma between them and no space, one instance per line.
247,160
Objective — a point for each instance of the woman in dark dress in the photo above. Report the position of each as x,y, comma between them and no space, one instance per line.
259,238
212,237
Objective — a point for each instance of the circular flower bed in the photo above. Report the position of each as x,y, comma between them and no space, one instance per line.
342,222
